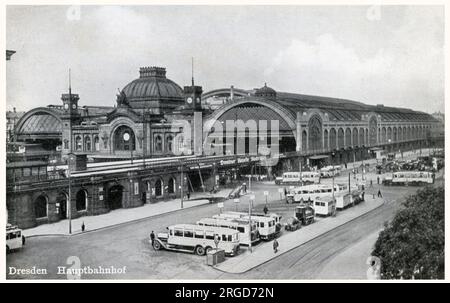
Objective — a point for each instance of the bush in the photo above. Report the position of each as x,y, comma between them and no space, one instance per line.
412,245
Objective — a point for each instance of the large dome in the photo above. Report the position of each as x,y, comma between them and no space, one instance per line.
152,85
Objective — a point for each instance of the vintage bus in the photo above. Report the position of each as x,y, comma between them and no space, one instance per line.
409,178
305,193
324,206
267,226
14,238
308,177
330,171
198,239
241,225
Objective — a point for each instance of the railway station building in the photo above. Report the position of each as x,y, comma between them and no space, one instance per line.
144,123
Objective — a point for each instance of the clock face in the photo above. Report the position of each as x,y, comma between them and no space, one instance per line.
189,100
74,106
66,106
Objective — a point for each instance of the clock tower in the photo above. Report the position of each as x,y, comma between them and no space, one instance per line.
70,104
193,97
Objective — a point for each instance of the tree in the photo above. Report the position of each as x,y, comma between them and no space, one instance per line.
412,245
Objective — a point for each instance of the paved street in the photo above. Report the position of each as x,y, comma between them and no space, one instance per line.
127,245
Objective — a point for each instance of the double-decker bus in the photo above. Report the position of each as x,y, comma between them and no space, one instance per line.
198,239
239,224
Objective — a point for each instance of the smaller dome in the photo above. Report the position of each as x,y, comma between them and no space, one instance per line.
266,92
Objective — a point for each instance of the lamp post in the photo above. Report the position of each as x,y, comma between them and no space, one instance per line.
250,203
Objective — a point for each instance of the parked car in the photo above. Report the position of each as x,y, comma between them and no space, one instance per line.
292,224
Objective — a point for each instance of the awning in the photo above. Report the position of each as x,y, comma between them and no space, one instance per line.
318,157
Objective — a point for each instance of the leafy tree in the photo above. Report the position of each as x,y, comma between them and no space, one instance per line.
412,245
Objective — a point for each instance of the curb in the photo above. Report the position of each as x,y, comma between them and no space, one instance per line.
284,252
116,225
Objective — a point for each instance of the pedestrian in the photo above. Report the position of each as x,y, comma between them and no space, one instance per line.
363,193
379,194
152,237
378,180
188,194
265,210
275,246
83,227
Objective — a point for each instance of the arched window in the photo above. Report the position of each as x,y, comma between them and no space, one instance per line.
87,143
81,200
158,144
40,207
124,138
78,143
355,137
96,143
348,137
159,188
171,186
315,133
333,138
383,135
325,139
373,130
340,138
169,144
361,137
389,134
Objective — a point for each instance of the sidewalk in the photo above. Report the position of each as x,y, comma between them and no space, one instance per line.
263,252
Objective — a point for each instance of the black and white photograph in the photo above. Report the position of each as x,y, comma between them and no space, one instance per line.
224,142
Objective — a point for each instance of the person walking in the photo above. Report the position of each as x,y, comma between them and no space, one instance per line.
275,246
379,194
188,194
378,180
265,210
83,227
152,237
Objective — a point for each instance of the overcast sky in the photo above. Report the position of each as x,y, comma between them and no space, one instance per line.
392,55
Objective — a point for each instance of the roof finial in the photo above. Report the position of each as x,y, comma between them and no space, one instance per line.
192,71
70,84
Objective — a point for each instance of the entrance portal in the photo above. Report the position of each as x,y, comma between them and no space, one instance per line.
115,197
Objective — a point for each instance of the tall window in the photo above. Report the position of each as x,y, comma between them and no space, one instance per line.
87,143
315,133
78,143
158,144
124,138
373,129
169,143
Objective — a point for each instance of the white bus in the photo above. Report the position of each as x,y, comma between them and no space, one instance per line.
267,227
14,238
330,171
198,239
409,178
241,225
324,206
308,177
310,192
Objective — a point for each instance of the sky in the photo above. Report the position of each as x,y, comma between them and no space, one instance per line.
391,55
